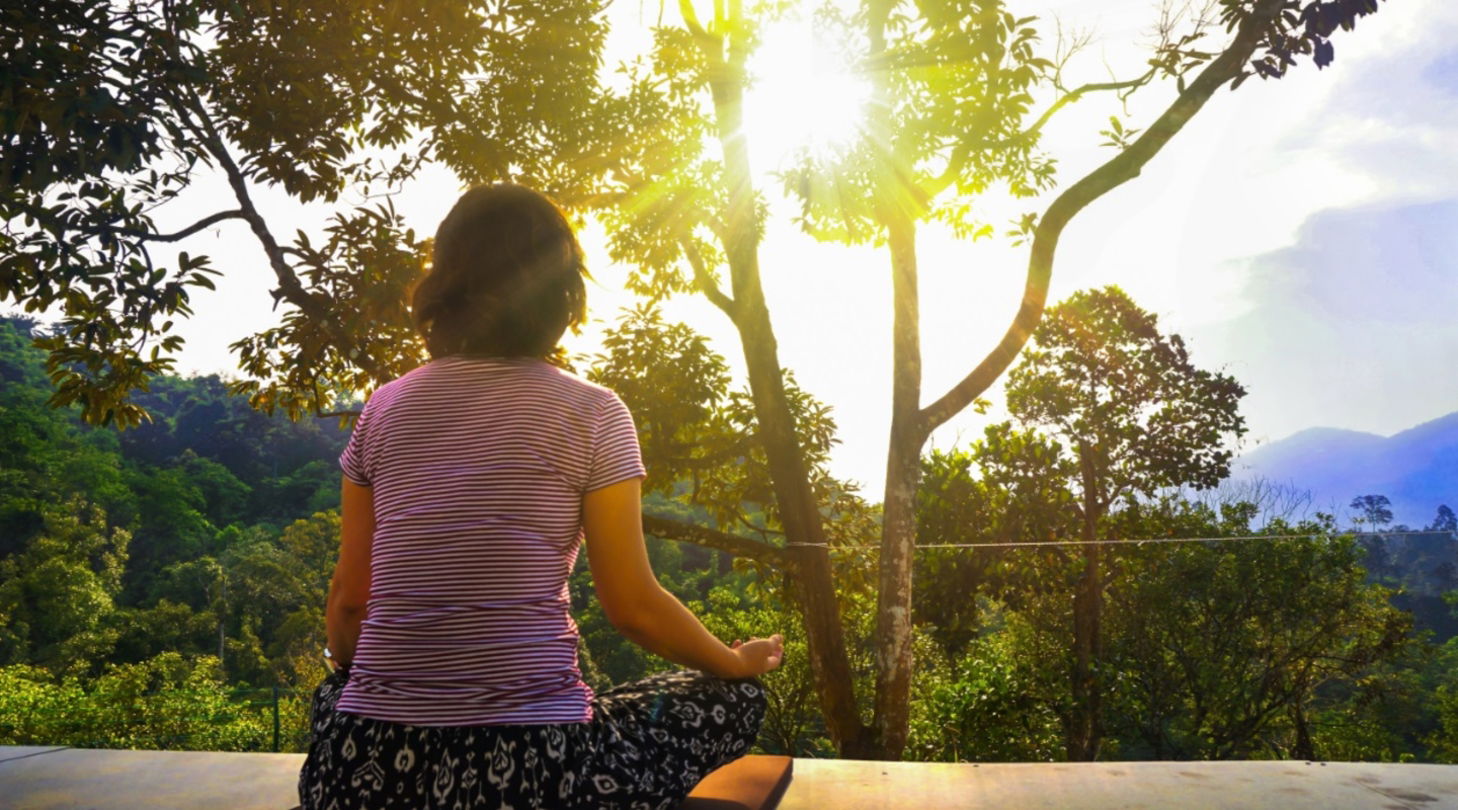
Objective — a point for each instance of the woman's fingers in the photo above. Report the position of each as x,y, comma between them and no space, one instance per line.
761,654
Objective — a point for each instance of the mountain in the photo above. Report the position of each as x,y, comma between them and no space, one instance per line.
1416,469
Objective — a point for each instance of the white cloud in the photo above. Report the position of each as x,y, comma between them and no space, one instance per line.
1352,326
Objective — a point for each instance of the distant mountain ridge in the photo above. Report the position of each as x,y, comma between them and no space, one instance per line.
1417,469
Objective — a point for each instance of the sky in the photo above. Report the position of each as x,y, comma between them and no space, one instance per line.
1300,234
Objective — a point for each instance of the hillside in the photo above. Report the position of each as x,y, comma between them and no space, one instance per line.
1417,469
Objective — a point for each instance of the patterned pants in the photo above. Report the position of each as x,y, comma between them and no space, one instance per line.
648,744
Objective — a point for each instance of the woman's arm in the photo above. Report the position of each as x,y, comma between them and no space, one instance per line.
349,590
640,608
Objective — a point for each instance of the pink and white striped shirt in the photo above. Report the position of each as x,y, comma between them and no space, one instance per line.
478,467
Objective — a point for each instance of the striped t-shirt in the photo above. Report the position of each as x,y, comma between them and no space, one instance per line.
478,467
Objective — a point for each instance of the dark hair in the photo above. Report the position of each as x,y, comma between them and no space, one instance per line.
505,277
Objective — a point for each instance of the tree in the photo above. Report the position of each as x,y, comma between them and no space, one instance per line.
1445,521
47,458
1211,650
56,595
937,126
116,109
1234,650
661,158
702,214
1137,417
1375,511
1010,486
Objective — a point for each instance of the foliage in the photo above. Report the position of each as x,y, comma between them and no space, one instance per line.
1375,510
1442,744
980,707
56,593
955,84
46,457
165,702
114,110
701,442
1445,521
1009,486
792,724
1136,417
1228,651
1194,650
1139,415
991,625
692,427
1234,650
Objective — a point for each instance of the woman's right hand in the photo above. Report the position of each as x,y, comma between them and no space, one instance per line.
759,655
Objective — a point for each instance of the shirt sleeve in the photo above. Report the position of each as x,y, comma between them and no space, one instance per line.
352,460
615,455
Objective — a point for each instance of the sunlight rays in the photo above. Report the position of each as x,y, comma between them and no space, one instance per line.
806,95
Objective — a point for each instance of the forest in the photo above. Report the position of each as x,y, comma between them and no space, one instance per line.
164,586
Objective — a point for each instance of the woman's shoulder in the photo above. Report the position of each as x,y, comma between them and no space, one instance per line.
571,380
521,376
583,393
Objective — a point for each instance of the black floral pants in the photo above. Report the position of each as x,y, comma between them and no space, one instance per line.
648,744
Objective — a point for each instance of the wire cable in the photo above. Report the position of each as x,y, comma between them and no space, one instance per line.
1137,542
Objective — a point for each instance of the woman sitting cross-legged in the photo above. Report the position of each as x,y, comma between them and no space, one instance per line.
470,483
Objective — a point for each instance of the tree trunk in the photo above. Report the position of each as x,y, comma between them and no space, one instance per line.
805,534
222,615
894,663
1084,731
789,472
1305,747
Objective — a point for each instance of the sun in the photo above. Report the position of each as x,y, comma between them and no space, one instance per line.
806,95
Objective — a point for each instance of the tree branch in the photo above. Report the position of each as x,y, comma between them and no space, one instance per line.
1078,92
709,42
705,283
1118,170
962,152
104,229
182,234
731,544
289,288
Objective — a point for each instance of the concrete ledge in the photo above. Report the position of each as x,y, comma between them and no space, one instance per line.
8,752
845,785
49,778
76,778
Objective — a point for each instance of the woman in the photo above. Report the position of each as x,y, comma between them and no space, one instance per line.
469,484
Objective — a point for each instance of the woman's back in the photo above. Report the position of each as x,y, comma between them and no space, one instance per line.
471,483
478,467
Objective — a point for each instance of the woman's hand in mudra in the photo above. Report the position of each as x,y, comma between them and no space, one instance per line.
759,655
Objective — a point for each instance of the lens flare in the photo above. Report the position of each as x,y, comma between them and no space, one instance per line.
806,94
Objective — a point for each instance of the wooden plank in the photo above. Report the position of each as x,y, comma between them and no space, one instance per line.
750,783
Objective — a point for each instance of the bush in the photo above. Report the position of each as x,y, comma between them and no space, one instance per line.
165,702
